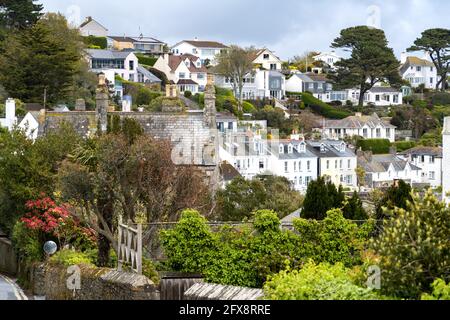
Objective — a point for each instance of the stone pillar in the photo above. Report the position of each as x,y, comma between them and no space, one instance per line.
102,103
446,160
80,105
210,104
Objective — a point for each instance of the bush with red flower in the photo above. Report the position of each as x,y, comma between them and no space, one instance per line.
47,220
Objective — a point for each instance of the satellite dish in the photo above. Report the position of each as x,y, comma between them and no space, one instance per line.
50,247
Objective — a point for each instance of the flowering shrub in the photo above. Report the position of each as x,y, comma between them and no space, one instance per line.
50,221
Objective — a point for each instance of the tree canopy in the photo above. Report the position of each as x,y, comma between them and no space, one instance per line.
371,60
437,43
19,14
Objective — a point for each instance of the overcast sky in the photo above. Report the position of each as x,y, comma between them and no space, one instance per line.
289,27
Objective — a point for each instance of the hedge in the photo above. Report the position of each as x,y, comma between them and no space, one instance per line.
92,41
441,98
404,145
146,60
322,108
377,146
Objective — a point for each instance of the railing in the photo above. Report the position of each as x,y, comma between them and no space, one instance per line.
129,247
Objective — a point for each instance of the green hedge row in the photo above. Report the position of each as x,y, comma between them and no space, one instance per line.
146,60
92,41
404,145
322,108
377,146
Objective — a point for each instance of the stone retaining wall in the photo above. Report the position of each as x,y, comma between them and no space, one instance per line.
96,284
8,258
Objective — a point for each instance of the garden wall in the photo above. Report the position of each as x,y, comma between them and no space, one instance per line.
96,284
8,259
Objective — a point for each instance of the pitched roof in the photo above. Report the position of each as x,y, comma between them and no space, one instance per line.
318,77
175,61
228,172
331,149
121,38
384,89
357,122
187,81
135,39
415,61
274,148
206,44
382,163
89,20
424,151
148,74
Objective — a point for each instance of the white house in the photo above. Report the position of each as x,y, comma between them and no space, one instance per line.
124,64
295,160
380,96
330,58
10,119
91,27
337,163
30,124
266,80
205,50
368,127
429,160
186,71
383,170
446,160
419,71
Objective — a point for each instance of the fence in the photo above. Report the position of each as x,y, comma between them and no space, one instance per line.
130,247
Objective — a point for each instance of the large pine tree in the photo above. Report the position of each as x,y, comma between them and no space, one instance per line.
19,14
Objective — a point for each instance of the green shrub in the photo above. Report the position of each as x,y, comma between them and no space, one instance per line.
100,42
322,108
69,258
441,98
247,107
377,146
149,270
316,282
146,60
224,92
156,104
187,94
413,249
441,291
404,145
27,244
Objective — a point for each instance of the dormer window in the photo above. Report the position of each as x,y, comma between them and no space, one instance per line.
322,148
302,147
290,149
343,147
281,149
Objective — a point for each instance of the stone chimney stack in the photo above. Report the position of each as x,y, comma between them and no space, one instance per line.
210,103
446,160
102,103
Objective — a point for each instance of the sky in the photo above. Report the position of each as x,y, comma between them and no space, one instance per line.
288,27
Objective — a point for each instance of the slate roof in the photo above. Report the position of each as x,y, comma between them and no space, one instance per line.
290,218
89,20
274,150
331,149
135,39
206,44
187,81
381,163
424,151
415,61
226,116
228,172
356,122
148,74
384,89
107,54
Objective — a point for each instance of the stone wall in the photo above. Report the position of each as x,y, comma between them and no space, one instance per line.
8,258
96,284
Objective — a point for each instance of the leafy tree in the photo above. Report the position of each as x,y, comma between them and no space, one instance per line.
19,14
441,291
413,249
43,58
128,175
397,196
320,197
335,239
371,60
242,197
437,43
353,208
236,63
316,282
361,175
305,62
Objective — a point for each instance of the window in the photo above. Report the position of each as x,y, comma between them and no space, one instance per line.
328,164
431,69
377,97
201,76
432,175
395,98
266,56
273,66
378,133
261,164
432,159
290,149
299,166
431,80
336,164
365,133
131,77
281,149
295,166
341,165
230,125
131,65
302,147
286,166
418,69
388,132
422,159
182,75
308,165
300,180
349,164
